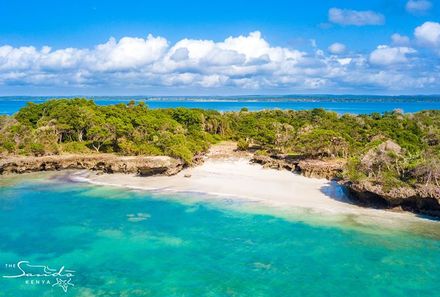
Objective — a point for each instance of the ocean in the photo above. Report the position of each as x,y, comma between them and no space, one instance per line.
340,104
120,242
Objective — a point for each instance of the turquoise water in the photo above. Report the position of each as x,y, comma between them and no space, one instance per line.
130,243
352,104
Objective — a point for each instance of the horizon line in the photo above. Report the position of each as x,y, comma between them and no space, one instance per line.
228,96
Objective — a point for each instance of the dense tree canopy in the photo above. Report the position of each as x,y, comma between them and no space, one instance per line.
79,125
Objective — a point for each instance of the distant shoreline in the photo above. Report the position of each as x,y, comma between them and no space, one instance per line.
342,97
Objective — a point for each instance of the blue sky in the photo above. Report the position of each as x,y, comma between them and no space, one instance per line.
275,47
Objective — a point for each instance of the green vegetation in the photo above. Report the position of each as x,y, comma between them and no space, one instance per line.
392,149
79,125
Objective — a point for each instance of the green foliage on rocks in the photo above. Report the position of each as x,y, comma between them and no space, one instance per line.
391,149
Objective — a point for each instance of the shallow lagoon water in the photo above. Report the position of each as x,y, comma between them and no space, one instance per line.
134,243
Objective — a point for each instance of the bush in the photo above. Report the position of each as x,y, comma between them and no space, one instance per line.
8,146
390,181
242,145
352,170
75,147
261,153
37,149
181,152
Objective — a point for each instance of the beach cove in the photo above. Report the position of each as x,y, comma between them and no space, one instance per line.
229,175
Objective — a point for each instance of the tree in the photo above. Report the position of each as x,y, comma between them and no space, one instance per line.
323,143
283,135
388,156
428,171
99,135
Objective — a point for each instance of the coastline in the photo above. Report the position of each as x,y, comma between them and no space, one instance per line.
227,178
107,163
223,171
420,199
277,192
235,178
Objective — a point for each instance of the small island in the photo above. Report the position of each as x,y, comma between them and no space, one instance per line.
389,160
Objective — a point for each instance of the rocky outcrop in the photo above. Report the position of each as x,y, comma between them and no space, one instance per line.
142,165
329,169
423,199
372,191
275,162
226,150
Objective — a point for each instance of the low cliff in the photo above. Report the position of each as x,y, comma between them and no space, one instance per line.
108,163
380,183
423,199
329,169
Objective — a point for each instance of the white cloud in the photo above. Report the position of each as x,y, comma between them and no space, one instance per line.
428,35
128,53
355,17
385,55
252,46
180,54
345,61
337,48
418,6
399,40
237,63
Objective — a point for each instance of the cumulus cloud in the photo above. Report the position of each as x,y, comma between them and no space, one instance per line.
127,53
428,35
418,6
180,54
385,55
348,17
398,39
337,48
153,61
246,62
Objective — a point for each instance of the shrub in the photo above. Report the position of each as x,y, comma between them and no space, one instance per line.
37,149
75,147
242,145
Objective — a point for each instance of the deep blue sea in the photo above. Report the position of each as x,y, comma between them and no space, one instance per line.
340,104
127,243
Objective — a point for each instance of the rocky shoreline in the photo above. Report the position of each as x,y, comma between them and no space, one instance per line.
107,163
421,199
329,169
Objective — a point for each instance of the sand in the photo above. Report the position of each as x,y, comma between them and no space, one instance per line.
238,178
228,176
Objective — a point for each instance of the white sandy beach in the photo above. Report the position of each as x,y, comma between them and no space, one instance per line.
228,174
237,178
